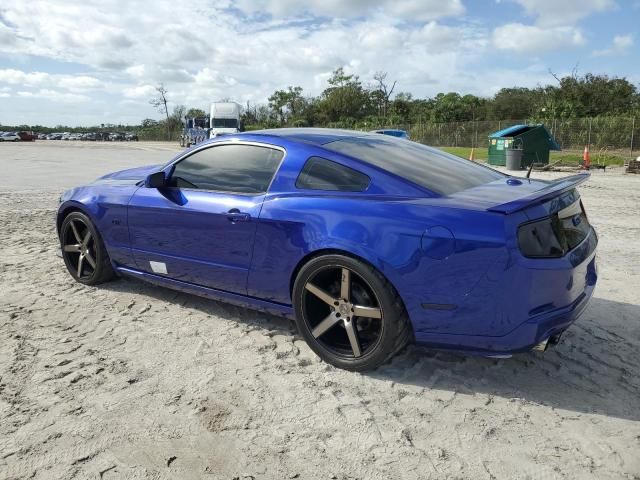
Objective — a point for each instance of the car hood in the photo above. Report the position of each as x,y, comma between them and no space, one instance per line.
130,175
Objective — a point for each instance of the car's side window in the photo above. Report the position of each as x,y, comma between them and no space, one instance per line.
322,174
228,168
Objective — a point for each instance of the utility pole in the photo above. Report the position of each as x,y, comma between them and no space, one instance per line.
633,128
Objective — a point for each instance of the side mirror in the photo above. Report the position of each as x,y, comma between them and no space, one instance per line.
156,180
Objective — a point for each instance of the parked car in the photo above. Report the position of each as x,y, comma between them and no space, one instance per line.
117,137
42,136
10,137
102,136
131,137
369,241
393,133
27,136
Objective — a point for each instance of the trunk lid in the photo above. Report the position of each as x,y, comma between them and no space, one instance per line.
514,194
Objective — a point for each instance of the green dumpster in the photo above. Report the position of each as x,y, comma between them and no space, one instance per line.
535,141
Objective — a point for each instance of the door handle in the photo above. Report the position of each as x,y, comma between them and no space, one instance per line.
234,215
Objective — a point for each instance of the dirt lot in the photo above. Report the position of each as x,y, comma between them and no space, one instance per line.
134,381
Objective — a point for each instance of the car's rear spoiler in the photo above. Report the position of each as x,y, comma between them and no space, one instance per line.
552,190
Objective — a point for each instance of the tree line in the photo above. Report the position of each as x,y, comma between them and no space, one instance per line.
348,102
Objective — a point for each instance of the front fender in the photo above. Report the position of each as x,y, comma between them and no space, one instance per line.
106,206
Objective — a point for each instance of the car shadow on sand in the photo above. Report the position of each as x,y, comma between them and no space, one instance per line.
594,369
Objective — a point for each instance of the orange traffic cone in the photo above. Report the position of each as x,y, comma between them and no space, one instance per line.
472,155
586,161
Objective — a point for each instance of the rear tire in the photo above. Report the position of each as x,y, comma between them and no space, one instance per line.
83,251
348,313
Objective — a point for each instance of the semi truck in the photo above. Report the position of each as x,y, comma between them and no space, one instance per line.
224,118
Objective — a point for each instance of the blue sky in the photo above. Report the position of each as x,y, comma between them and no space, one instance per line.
97,61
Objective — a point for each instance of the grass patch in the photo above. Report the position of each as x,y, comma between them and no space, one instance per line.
464,152
568,157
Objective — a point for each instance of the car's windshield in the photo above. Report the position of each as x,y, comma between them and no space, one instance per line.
224,123
428,167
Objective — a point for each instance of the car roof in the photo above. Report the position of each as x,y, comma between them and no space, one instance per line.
317,136
391,131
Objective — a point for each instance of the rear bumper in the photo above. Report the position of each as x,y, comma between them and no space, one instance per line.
533,297
539,328
524,338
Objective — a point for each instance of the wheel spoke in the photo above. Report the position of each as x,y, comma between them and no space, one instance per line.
325,325
321,294
86,239
80,262
345,285
71,248
75,231
353,338
90,259
366,312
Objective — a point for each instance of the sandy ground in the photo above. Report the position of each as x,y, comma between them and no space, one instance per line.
134,381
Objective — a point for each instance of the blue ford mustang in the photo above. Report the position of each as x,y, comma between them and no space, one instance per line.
369,241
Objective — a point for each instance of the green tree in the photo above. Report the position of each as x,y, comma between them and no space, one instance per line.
345,99
287,104
512,103
195,113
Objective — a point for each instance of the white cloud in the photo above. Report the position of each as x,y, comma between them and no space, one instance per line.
204,52
530,39
139,91
54,96
18,77
623,41
136,71
42,79
619,45
563,12
7,35
421,10
79,82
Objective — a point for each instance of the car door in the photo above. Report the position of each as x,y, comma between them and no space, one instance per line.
201,227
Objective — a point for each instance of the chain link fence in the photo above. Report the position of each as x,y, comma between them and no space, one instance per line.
621,134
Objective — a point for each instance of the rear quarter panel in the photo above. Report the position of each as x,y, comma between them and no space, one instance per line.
389,234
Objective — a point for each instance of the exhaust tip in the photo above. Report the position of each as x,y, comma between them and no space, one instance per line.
547,343
542,346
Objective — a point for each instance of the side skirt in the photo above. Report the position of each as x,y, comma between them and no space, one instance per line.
211,293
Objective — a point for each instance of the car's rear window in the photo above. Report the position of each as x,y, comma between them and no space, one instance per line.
428,167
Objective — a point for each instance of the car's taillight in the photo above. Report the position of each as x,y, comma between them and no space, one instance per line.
553,236
539,239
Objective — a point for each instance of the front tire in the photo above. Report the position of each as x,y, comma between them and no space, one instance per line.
83,251
348,313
